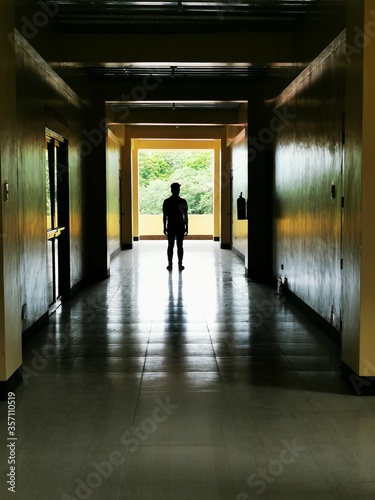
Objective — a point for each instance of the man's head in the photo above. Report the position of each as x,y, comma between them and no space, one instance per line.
175,188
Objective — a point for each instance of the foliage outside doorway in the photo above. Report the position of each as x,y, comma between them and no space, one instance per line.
192,169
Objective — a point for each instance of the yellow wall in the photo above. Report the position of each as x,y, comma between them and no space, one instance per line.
358,350
199,225
114,147
367,318
135,188
240,185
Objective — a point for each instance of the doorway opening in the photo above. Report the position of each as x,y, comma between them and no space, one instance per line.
193,169
57,218
195,164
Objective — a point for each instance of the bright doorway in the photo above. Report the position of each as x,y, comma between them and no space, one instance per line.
195,164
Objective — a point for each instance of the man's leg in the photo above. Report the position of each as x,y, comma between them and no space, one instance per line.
180,250
171,238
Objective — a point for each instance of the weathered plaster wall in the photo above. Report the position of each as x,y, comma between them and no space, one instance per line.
308,161
43,100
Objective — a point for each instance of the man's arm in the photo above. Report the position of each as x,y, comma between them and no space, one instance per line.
164,220
186,219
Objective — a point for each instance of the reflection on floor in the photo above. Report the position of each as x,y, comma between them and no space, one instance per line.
196,385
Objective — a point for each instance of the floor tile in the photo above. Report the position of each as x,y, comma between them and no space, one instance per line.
186,386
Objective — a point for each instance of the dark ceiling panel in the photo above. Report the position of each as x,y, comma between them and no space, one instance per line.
187,73
116,16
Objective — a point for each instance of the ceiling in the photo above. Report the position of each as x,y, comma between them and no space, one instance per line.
176,16
179,16
127,17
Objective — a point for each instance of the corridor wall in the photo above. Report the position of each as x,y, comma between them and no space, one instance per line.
239,185
308,184
10,322
44,100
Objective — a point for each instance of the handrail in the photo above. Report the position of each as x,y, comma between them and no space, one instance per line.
54,233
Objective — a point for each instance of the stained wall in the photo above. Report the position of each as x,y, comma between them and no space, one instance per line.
308,167
44,100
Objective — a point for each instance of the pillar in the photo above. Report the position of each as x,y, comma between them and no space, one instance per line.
226,195
97,165
126,181
260,192
358,339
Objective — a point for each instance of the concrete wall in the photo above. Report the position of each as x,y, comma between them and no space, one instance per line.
308,161
239,185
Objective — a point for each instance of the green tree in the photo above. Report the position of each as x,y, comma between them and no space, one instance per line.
153,165
151,197
196,187
192,169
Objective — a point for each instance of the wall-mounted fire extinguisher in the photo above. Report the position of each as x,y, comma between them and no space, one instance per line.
241,208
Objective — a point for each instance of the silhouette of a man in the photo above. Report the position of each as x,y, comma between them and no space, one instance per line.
175,222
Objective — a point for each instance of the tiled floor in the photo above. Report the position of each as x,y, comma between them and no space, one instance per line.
197,385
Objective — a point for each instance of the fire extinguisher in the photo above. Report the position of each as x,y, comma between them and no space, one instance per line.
241,208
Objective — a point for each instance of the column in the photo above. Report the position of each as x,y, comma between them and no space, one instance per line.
358,339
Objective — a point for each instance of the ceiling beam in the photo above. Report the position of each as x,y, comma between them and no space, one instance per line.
172,116
183,132
245,47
